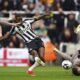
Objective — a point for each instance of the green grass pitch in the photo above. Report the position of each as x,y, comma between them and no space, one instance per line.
43,73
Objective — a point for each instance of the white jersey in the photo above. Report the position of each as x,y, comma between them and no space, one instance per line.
75,58
25,30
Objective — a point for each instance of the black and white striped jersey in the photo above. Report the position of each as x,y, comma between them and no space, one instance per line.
25,30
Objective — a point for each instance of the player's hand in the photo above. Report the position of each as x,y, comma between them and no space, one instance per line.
55,50
77,30
48,13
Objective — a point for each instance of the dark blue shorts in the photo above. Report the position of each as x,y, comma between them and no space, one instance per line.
35,44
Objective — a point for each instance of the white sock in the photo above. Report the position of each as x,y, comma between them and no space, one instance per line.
33,66
39,61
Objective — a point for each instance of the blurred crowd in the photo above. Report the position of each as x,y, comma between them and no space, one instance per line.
56,28
39,5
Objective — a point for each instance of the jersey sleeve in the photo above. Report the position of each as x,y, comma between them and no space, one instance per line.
13,30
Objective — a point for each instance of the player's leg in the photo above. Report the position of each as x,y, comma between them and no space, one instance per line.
36,63
33,48
30,70
41,52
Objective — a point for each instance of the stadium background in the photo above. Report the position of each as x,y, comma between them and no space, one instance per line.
57,31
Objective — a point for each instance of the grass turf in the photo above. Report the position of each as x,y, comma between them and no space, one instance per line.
43,73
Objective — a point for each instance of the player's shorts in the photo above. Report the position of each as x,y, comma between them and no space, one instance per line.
35,44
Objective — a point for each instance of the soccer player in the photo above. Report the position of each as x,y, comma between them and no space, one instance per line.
34,43
75,59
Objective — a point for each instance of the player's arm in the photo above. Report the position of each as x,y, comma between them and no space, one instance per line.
8,23
64,55
47,15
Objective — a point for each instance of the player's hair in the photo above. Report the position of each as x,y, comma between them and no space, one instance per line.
75,72
18,18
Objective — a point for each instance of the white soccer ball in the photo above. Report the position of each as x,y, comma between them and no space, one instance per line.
66,64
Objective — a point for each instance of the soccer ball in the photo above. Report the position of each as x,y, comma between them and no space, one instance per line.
66,64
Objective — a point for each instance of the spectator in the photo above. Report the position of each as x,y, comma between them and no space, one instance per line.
68,36
77,5
15,4
11,45
14,42
72,22
24,4
4,6
4,31
32,1
21,45
52,5
7,5
31,8
60,20
40,6
53,33
67,5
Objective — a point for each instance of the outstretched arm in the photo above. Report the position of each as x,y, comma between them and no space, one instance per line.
47,15
8,23
64,55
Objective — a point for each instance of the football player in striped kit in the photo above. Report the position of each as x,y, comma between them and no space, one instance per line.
32,41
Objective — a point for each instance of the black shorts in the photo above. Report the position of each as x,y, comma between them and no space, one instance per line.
35,44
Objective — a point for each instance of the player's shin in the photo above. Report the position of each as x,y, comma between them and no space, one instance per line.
30,70
33,66
37,62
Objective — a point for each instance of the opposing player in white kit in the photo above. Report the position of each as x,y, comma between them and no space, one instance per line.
75,59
